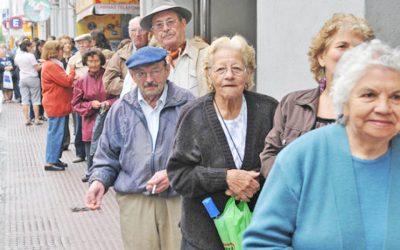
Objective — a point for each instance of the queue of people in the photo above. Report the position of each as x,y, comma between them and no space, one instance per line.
227,143
169,121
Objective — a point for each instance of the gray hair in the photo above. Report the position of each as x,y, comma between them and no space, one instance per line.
354,64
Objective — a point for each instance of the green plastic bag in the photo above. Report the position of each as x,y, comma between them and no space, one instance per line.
232,223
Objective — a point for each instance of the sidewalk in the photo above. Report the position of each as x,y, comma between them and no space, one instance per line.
35,205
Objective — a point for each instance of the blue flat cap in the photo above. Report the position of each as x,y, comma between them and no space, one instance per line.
146,55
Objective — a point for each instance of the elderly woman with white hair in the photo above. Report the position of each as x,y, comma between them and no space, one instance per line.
219,137
338,187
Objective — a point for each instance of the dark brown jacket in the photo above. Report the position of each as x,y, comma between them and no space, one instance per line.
116,70
295,115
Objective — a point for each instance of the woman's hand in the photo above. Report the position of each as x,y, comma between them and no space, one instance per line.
96,104
242,184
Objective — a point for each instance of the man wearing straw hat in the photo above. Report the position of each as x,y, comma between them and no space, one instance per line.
168,23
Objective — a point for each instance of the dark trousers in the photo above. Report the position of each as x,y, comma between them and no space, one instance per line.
79,145
67,137
32,114
89,158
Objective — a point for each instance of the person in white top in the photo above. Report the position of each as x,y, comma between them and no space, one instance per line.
29,81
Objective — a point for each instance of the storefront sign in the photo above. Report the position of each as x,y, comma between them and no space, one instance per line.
37,10
102,9
16,22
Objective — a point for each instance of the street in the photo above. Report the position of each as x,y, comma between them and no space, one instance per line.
42,210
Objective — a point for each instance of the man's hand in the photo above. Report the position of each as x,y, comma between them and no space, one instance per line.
94,195
242,184
159,181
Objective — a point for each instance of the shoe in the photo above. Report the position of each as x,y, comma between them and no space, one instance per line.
78,159
54,168
28,123
42,118
85,178
38,123
61,163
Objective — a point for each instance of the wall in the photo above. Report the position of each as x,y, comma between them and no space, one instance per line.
384,17
62,20
284,32
230,17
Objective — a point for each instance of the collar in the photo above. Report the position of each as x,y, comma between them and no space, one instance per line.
309,97
58,62
174,54
97,74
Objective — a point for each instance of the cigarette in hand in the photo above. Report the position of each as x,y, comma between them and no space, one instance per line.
153,191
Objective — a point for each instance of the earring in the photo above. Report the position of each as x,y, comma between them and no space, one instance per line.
322,80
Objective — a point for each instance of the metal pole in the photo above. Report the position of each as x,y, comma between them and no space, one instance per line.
196,18
205,20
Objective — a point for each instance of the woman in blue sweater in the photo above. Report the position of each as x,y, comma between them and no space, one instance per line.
338,187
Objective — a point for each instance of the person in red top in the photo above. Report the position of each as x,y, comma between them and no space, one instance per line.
57,96
90,97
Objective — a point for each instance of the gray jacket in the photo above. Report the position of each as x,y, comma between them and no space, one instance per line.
124,157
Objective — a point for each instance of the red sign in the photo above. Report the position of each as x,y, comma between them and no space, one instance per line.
16,22
5,24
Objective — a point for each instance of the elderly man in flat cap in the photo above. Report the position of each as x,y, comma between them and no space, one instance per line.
168,23
83,43
133,151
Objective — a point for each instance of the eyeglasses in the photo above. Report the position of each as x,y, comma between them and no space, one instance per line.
158,26
141,75
222,70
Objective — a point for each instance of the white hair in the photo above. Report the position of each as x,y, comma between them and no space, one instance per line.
354,64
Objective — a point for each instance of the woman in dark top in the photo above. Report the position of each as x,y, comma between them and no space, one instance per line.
219,137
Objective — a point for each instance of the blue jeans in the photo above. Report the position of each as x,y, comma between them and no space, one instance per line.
79,145
55,136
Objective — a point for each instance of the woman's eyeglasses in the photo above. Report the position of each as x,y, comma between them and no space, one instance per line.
222,70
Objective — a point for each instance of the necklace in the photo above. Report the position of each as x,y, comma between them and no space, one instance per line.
229,133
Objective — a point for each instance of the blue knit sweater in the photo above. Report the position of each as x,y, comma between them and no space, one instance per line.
310,199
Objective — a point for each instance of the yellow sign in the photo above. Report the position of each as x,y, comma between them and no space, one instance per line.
109,24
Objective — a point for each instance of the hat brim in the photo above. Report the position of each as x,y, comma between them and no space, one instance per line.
145,23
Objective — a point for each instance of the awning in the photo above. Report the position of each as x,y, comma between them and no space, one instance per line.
104,9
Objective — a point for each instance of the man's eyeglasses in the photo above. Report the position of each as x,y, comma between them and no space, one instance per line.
141,75
158,26
222,70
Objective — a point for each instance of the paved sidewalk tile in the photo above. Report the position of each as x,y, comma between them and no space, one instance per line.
36,206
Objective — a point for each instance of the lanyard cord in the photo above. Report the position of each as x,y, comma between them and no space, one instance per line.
230,136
